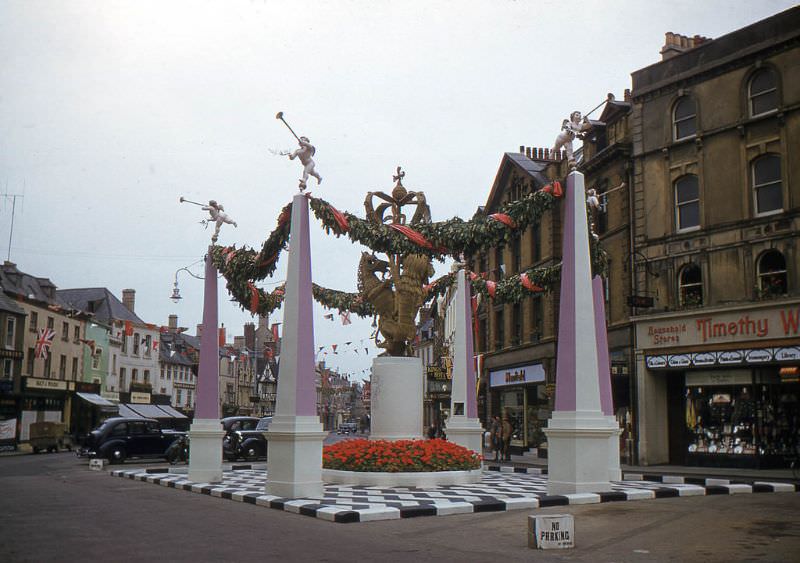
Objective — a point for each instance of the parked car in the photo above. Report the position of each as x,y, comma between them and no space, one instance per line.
49,436
347,428
244,437
120,438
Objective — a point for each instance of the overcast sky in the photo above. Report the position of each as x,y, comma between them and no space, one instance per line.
110,111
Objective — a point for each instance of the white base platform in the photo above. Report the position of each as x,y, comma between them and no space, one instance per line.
205,450
294,462
409,479
578,455
397,396
466,432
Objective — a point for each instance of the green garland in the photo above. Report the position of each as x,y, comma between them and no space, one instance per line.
342,301
241,267
451,237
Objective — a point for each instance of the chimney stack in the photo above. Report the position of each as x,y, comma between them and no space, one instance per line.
172,323
250,335
129,299
199,332
675,44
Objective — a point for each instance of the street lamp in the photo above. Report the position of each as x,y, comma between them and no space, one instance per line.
176,292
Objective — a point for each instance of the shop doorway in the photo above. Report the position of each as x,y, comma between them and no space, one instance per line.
676,417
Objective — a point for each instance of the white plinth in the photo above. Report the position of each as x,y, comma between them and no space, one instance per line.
400,479
465,432
614,470
397,396
578,458
205,450
294,463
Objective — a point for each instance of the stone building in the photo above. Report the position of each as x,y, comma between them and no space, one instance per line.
47,383
716,213
697,210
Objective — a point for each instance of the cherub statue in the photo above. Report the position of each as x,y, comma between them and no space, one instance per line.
592,200
304,153
571,128
218,216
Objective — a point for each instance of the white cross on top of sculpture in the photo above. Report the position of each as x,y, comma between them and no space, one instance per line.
304,154
570,129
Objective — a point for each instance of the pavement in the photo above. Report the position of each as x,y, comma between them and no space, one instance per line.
56,508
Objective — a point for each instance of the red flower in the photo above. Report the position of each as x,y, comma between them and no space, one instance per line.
400,455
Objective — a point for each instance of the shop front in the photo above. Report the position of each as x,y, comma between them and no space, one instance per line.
89,409
43,400
520,394
437,401
725,385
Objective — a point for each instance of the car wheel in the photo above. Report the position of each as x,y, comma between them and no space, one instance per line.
36,449
117,455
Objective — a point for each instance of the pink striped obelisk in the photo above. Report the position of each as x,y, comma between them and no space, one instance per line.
463,426
205,455
294,463
577,433
604,376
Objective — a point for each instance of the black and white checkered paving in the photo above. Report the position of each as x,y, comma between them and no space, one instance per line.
501,488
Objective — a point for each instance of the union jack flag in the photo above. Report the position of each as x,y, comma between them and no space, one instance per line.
46,336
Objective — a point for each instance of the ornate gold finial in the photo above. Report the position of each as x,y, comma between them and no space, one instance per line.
398,297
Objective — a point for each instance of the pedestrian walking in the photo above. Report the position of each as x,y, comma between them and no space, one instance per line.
506,438
496,437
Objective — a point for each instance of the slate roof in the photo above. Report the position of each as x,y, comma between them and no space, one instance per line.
173,349
99,301
18,283
531,168
9,306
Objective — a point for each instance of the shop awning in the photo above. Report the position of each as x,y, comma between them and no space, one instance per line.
154,411
172,412
124,411
98,401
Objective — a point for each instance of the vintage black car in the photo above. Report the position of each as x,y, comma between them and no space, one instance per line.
244,437
120,438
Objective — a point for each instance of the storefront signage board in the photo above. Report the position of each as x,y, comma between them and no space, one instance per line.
51,384
720,328
708,378
724,358
110,395
533,373
141,398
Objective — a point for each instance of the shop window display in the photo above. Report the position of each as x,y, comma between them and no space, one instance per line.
750,420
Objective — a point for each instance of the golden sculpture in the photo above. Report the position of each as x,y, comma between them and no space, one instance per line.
396,300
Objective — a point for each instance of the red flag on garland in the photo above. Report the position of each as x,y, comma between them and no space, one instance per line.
505,219
340,218
253,297
528,284
412,235
554,188
491,288
275,331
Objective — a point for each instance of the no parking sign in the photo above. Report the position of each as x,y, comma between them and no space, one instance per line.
556,531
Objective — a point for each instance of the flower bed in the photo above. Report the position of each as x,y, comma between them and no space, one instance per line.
399,456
